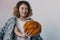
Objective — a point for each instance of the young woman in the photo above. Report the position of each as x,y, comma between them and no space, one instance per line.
13,29
23,13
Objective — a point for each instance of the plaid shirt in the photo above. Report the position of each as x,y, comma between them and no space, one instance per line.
7,33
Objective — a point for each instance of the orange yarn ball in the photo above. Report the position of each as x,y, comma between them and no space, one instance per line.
32,27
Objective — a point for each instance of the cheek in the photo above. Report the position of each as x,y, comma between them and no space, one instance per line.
26,11
20,11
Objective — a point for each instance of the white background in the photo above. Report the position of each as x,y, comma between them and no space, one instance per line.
47,12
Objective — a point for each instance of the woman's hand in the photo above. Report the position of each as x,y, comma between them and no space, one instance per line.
26,34
21,34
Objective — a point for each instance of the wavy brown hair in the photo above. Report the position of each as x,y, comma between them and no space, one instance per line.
16,9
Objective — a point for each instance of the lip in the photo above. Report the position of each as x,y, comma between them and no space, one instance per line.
24,13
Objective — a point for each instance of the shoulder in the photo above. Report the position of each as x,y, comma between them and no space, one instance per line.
29,18
11,20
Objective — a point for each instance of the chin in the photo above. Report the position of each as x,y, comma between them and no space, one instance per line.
24,16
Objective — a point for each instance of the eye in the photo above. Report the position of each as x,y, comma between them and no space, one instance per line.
26,8
22,8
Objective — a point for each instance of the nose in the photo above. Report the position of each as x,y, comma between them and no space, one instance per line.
24,11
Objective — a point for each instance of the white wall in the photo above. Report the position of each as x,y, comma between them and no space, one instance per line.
47,12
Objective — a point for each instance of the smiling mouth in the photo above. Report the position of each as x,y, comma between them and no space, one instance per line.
24,13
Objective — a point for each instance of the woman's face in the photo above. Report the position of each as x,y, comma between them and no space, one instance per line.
23,10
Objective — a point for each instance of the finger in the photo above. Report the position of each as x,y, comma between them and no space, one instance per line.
30,35
26,32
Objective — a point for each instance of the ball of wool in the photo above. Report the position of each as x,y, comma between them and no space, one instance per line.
32,27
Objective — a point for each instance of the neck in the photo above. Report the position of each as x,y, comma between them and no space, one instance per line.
22,18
